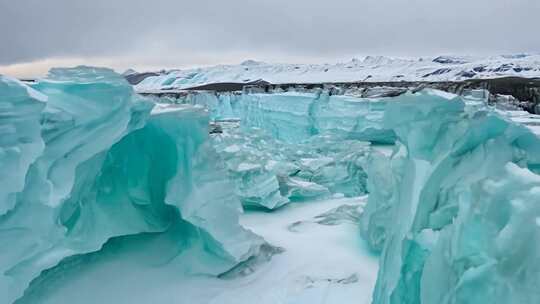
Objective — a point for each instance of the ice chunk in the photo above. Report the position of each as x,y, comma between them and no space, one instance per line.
222,106
20,137
311,137
454,207
299,190
268,173
285,116
295,117
247,156
97,165
83,117
334,163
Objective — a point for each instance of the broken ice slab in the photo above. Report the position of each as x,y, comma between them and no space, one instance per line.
269,173
455,208
294,116
20,137
98,165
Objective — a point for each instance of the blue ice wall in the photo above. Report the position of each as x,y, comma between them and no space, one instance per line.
296,116
455,208
89,161
293,146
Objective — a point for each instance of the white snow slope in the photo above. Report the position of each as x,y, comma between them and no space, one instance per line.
371,68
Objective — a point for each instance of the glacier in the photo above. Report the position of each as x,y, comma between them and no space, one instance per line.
453,209
91,161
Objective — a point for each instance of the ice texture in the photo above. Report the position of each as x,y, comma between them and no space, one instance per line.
454,208
270,173
248,156
89,161
294,117
20,139
291,146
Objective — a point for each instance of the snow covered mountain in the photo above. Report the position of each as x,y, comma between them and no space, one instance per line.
370,68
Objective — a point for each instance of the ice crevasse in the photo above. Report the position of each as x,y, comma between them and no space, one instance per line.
455,209
86,160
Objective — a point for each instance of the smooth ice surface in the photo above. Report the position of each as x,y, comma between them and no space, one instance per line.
455,207
90,162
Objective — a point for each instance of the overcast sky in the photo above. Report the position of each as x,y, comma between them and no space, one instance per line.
144,34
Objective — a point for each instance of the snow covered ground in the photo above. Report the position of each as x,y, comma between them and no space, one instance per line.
370,68
324,260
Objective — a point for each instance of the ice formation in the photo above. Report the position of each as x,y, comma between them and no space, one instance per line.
292,146
89,167
454,208
270,173
294,117
20,137
89,161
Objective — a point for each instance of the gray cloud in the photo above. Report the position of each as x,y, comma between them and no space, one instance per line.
168,32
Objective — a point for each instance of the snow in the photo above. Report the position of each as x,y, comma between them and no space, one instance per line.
321,264
160,108
312,257
372,69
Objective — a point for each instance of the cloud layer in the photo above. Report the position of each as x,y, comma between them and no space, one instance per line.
177,33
